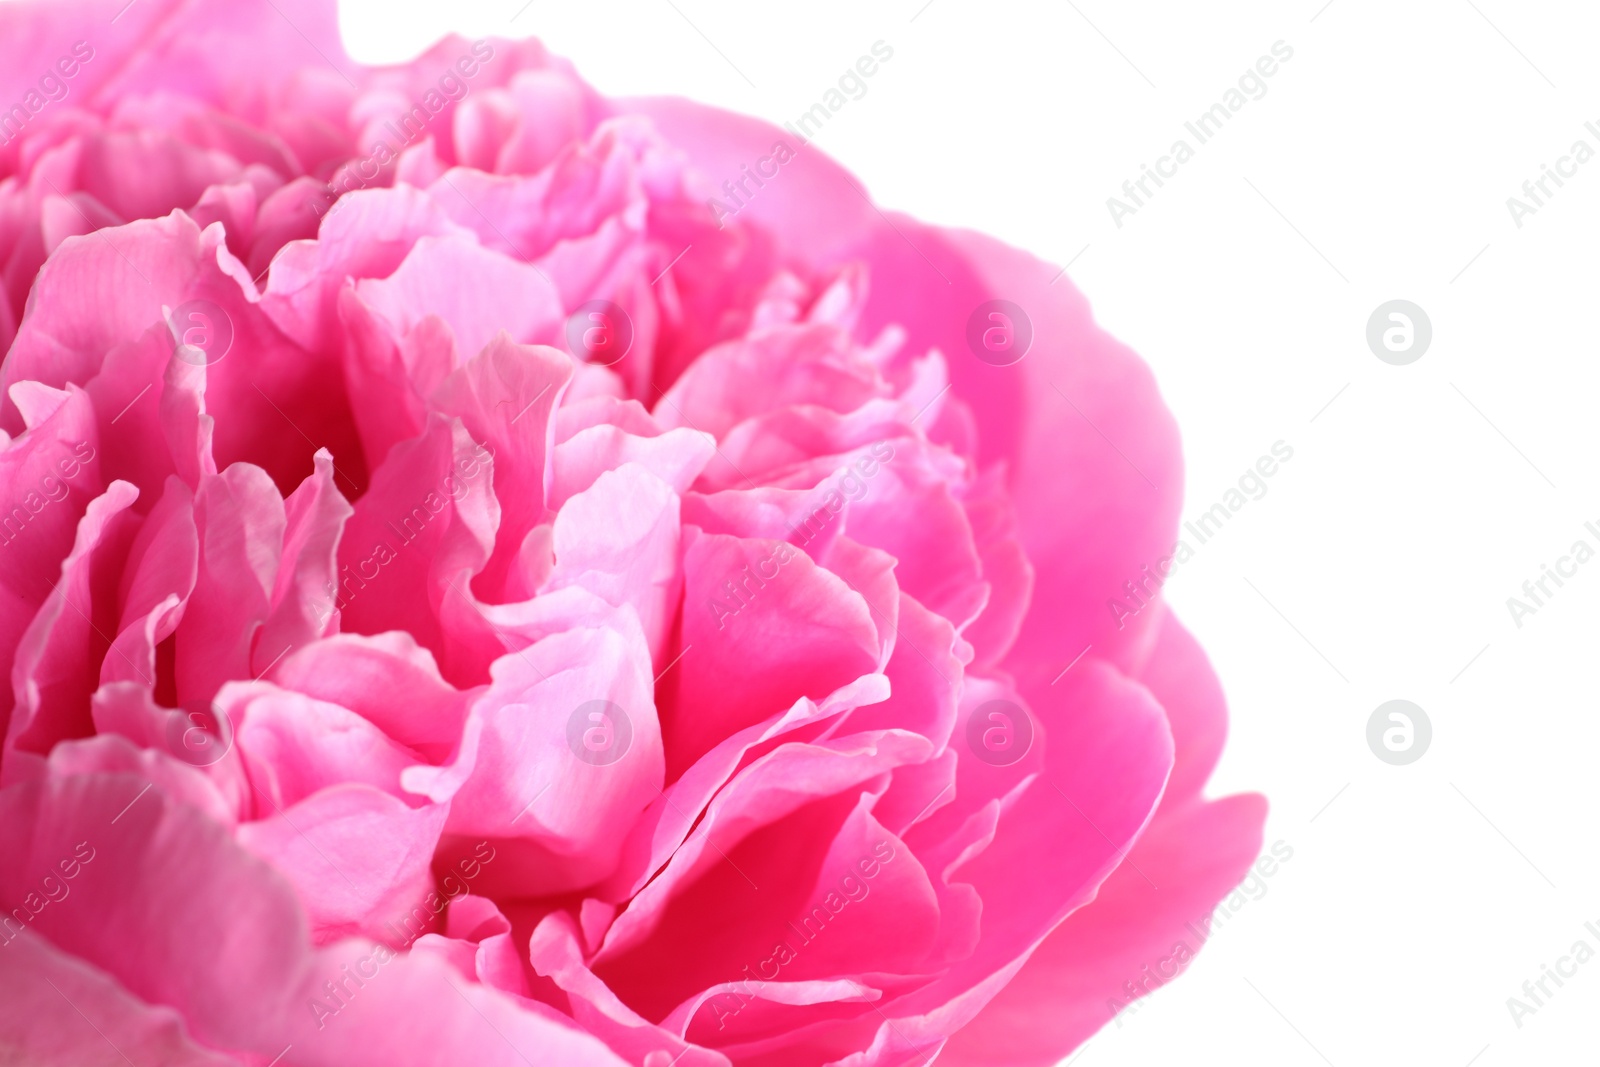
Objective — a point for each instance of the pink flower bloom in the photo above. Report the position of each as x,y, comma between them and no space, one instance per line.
472,597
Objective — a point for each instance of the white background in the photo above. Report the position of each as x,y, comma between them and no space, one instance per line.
1419,498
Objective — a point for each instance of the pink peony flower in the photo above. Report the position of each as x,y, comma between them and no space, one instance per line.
474,596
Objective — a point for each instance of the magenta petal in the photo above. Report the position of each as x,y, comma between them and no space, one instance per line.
1179,675
771,626
304,593
1076,981
424,528
61,1012
504,396
47,478
52,675
240,518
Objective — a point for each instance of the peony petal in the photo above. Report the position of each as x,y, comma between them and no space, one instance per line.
1107,755
369,236
241,521
1092,452
56,660
1179,675
304,593
530,779
241,968
741,379
477,292
60,1012
797,792
556,953
358,857
145,174
618,539
676,457
423,529
48,476
388,679
771,626
98,291
293,746
1077,980
504,397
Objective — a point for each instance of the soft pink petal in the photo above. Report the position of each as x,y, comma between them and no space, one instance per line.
619,540
61,1012
359,858
304,593
47,478
294,745
1092,453
471,288
504,397
242,968
557,815
241,521
54,671
388,679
